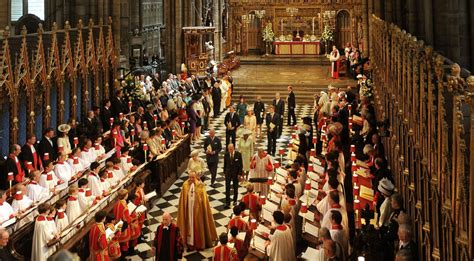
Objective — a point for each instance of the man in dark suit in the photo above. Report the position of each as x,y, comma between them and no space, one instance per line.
232,122
48,145
117,103
196,84
216,98
273,121
149,117
97,121
406,242
291,106
232,168
279,106
105,115
212,146
29,153
90,127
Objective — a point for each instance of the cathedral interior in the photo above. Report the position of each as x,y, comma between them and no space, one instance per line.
62,60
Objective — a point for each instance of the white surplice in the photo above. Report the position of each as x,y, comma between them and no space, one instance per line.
63,171
42,234
191,198
36,192
326,222
73,209
45,183
23,204
282,247
6,211
94,184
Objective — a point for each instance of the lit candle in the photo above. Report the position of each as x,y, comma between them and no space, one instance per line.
313,25
281,30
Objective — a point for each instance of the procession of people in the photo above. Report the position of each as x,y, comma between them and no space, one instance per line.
91,159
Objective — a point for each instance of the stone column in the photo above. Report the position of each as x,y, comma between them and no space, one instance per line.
217,33
116,28
471,33
178,35
366,14
198,13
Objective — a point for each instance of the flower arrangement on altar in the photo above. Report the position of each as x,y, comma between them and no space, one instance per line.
133,90
268,35
327,35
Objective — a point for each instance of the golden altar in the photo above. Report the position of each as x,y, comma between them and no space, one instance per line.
297,48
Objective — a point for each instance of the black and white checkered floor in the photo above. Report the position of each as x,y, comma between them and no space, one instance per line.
169,201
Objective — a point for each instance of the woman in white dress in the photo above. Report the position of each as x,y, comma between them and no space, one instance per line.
63,139
196,164
250,122
245,145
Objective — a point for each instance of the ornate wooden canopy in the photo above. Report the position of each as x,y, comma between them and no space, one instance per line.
37,70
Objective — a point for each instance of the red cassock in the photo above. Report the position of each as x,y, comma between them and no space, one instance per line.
251,202
121,213
140,200
239,223
135,228
98,243
224,253
239,246
114,245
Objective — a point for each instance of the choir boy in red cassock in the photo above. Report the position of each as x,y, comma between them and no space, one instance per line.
114,245
237,220
251,201
121,213
223,252
98,245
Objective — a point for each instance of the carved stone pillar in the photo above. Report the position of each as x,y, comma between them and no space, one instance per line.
217,8
367,7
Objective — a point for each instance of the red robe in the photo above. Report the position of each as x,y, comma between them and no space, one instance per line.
251,202
176,246
98,243
224,253
121,213
239,246
239,223
114,245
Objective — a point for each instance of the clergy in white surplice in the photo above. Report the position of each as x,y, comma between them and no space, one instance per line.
43,233
34,190
280,246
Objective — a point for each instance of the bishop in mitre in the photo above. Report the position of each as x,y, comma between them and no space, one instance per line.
195,220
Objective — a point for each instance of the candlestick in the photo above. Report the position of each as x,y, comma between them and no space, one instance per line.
313,24
281,30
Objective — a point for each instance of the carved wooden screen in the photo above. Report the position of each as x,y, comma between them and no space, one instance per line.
343,28
39,78
431,147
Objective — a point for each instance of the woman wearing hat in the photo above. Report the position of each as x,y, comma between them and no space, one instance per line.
245,146
196,164
386,189
63,139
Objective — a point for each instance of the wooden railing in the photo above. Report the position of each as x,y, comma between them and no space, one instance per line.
431,142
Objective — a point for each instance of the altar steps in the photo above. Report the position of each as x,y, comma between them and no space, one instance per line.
284,60
304,93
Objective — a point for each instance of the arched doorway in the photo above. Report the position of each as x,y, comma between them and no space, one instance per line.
343,28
